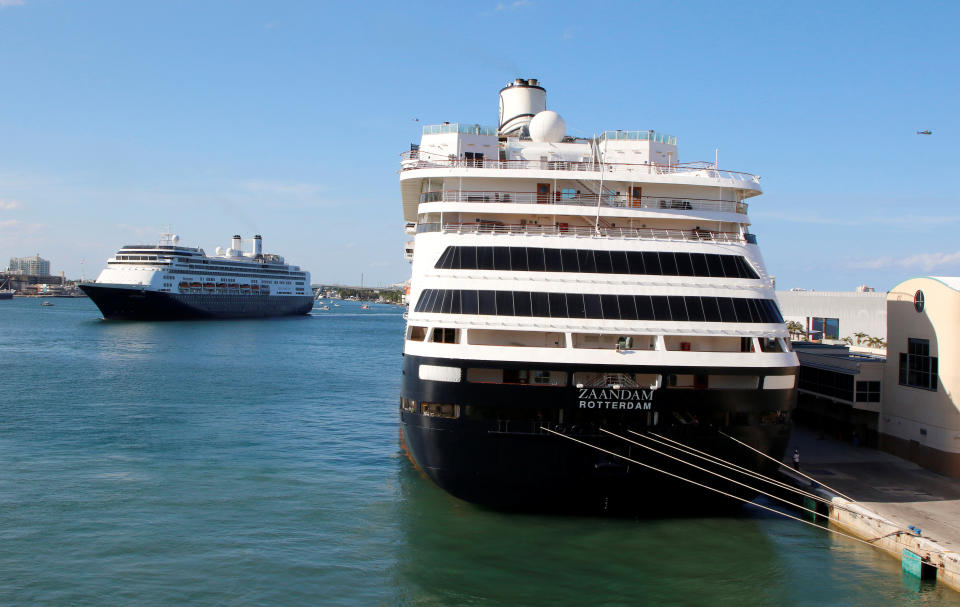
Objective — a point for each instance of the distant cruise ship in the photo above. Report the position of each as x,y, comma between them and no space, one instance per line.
168,281
582,285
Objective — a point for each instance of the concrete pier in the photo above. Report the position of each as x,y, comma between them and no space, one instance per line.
891,495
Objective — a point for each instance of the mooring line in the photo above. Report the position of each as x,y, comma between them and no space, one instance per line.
688,450
717,474
840,533
809,478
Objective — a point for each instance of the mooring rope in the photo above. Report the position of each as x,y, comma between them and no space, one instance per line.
717,474
688,450
809,478
709,488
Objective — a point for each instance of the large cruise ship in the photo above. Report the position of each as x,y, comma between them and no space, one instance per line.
168,281
566,287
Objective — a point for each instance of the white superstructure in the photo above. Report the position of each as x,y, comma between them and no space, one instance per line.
610,203
168,267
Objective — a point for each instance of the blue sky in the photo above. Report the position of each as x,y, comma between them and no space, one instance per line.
287,118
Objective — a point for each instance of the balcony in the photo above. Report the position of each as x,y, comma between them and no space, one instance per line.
589,199
564,230
416,159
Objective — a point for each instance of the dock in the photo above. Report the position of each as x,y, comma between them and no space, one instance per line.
899,505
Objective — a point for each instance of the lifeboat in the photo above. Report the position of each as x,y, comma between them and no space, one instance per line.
196,285
255,287
183,285
209,285
221,285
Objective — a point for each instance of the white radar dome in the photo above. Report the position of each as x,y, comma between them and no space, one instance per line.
219,250
547,127
175,239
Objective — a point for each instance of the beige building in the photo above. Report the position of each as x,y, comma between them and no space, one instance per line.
920,413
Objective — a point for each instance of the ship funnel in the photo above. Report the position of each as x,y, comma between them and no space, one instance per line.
257,246
520,101
236,242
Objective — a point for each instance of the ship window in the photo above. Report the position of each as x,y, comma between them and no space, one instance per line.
569,258
684,265
661,310
695,309
635,261
588,262
619,261
628,308
607,306
487,303
770,344
552,260
729,267
591,304
604,262
727,313
568,193
668,263
445,335
651,262
699,262
678,308
408,405
610,307
714,266
535,259
484,258
440,410
518,259
468,302
501,258
505,303
521,303
644,307
540,305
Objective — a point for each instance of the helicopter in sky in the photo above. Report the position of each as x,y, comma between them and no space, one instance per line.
927,132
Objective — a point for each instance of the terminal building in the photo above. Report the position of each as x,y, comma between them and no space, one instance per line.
907,402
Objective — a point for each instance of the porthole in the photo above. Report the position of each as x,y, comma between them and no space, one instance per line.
918,301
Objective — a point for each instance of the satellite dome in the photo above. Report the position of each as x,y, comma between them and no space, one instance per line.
547,127
175,239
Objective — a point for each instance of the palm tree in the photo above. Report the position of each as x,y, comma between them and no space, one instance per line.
860,335
848,341
795,328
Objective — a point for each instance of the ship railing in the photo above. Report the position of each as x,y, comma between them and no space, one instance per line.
590,199
415,159
583,232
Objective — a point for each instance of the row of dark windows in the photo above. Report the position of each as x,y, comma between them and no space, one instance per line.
828,383
681,308
535,259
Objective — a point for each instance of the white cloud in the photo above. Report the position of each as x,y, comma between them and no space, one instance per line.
6,3
9,205
920,261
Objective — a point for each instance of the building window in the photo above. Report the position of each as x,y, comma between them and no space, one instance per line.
830,327
827,383
868,392
917,368
918,301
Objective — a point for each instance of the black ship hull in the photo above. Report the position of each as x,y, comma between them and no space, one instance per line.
495,452
118,303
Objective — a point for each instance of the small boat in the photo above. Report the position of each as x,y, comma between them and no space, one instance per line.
364,307
324,308
46,303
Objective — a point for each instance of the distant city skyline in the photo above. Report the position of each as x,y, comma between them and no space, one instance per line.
119,119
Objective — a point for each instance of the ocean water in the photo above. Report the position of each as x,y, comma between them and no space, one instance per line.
259,463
